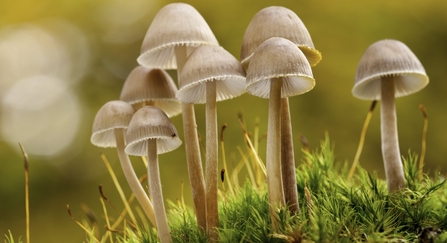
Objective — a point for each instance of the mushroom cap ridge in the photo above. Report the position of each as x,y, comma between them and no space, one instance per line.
279,58
151,123
112,115
176,24
211,64
388,58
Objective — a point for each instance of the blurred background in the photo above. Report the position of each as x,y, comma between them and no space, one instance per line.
60,61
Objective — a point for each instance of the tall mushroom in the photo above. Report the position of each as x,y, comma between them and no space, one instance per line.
175,32
211,74
109,128
151,86
386,70
151,133
278,69
276,21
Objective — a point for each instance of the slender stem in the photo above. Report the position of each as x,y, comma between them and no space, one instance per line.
27,214
362,140
273,155
120,190
153,173
193,159
390,143
212,172
132,178
224,159
424,142
288,159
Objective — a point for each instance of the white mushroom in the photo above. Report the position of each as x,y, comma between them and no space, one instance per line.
109,128
211,74
175,32
151,133
389,69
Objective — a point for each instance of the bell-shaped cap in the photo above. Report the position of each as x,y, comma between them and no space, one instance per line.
151,123
153,86
211,64
388,58
176,24
282,22
112,115
279,58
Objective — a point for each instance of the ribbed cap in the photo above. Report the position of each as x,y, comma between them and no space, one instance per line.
282,22
151,85
388,58
211,64
112,115
176,24
151,123
279,58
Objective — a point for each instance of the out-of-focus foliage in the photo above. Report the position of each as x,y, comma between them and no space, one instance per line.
62,60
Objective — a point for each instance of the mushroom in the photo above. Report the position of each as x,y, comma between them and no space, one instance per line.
278,69
386,70
211,74
151,133
278,21
175,32
151,86
109,127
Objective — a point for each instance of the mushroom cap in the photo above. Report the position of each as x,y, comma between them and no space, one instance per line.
176,24
154,85
388,58
151,123
276,21
279,58
211,64
112,115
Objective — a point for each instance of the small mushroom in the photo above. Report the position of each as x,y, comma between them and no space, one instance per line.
178,29
277,69
109,128
389,69
150,133
276,21
151,86
211,74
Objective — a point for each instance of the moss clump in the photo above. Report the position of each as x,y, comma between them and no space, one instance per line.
332,209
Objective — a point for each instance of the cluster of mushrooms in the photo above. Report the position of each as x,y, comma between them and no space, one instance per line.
276,61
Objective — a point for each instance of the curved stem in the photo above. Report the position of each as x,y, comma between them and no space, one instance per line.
211,162
362,140
288,159
390,142
153,173
273,155
132,178
192,148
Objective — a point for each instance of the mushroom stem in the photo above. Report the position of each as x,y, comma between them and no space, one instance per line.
390,143
192,148
157,194
131,177
273,155
211,162
288,159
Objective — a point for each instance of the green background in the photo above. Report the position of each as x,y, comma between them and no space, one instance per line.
111,33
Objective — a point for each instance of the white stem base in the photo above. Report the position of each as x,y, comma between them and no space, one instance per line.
153,173
390,142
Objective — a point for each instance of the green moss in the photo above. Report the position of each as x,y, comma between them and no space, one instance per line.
332,209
